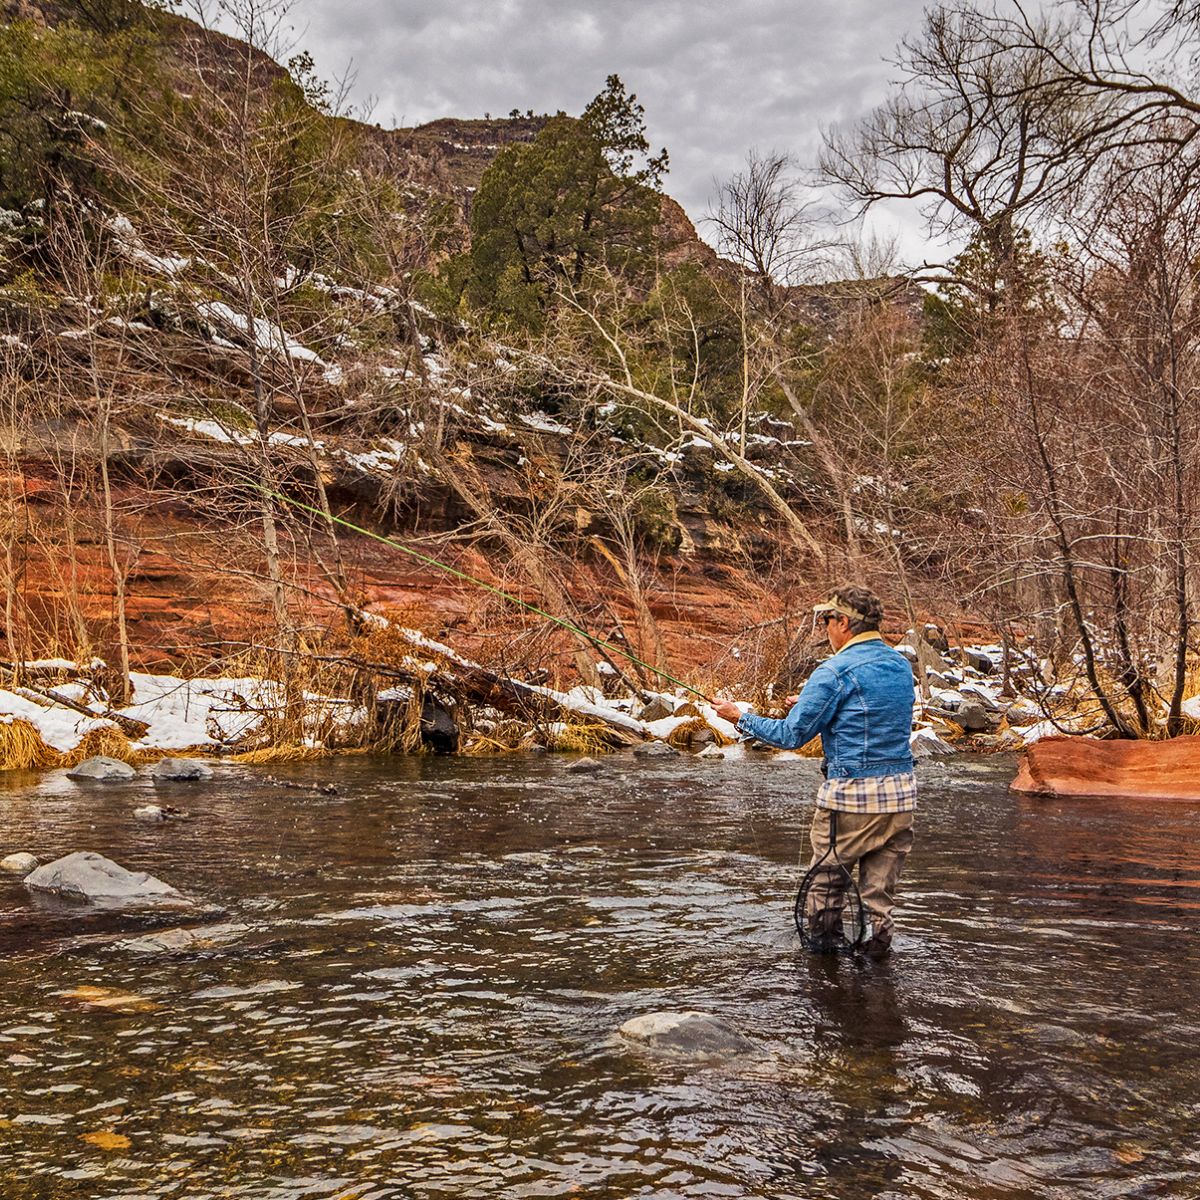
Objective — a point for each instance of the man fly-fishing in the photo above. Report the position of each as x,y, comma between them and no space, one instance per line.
860,701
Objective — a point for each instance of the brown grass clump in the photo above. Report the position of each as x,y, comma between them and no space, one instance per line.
812,749
279,754
109,741
581,738
682,735
481,744
22,747
505,737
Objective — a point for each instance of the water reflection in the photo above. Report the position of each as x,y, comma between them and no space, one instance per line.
423,999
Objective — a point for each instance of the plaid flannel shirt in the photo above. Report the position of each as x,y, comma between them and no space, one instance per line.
873,794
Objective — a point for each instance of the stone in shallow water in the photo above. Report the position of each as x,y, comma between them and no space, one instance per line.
102,769
180,770
655,750
585,766
183,941
86,875
153,813
688,1033
712,751
19,863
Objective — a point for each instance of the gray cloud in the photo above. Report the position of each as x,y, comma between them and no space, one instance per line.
716,77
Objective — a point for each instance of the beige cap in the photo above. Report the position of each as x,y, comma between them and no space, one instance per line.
834,605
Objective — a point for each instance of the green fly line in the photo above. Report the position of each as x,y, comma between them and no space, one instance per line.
429,560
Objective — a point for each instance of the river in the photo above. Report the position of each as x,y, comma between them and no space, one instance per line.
438,958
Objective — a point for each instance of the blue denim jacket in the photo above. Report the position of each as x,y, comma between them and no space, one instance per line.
861,703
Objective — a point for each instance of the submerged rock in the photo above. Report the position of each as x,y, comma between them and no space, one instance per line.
92,878
102,769
585,766
184,941
686,1033
110,999
159,812
655,750
19,863
180,770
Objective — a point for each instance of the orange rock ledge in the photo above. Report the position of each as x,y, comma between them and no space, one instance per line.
1080,766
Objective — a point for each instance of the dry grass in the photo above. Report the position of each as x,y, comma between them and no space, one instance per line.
580,738
400,732
506,737
812,749
22,747
279,754
109,741
480,744
683,735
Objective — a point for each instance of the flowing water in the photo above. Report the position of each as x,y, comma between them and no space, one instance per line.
438,957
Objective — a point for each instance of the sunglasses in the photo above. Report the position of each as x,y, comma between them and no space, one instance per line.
826,617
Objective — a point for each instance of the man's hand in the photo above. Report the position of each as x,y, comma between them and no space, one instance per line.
728,711
791,701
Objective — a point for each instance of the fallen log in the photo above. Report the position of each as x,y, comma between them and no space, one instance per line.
1082,766
467,680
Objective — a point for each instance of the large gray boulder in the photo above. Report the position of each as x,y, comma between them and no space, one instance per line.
689,1033
102,769
975,659
90,877
180,770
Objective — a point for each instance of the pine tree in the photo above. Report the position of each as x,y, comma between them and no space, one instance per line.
584,191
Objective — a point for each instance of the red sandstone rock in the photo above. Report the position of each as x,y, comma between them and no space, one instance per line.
1078,766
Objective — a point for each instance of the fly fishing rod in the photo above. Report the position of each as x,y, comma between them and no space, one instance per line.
446,568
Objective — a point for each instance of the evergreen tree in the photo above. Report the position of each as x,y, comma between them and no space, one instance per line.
584,191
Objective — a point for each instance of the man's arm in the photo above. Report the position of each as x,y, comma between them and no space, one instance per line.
808,717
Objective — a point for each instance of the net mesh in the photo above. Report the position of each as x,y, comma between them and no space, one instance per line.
829,911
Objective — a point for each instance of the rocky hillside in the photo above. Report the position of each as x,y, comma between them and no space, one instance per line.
158,374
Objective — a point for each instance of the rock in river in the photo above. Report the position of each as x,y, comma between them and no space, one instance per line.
88,876
184,941
585,766
159,812
179,770
102,770
655,750
19,864
687,1033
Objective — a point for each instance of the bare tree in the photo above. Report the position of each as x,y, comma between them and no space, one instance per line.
763,225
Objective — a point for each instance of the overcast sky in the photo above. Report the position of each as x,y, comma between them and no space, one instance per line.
716,77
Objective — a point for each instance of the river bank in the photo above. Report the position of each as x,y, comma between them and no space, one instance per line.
429,697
